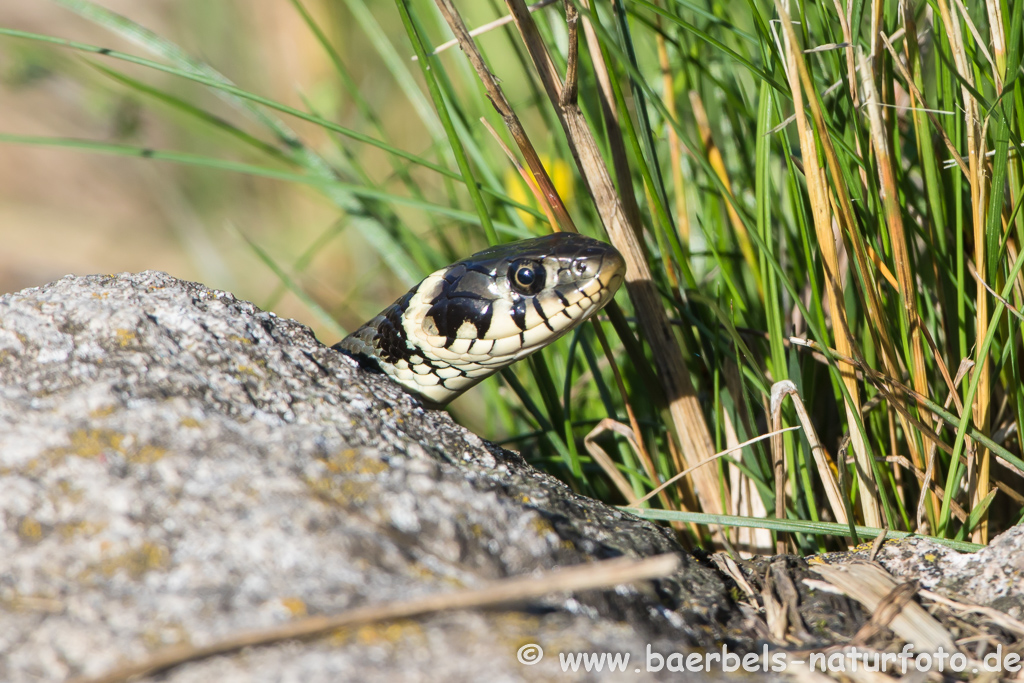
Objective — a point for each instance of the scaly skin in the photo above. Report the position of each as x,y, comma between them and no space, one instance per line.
465,322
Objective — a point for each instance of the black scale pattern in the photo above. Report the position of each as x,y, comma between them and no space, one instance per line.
464,297
467,294
391,341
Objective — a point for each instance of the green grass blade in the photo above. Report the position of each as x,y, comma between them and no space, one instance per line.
295,288
261,171
446,120
791,526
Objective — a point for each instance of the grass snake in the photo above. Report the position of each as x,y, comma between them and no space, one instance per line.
465,322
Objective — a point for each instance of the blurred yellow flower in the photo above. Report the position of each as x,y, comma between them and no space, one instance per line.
561,176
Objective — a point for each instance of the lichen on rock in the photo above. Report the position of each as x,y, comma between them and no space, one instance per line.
177,465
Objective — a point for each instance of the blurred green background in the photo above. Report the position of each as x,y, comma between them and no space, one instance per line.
68,211
72,212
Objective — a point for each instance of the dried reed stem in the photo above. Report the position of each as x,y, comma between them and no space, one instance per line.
684,407
519,589
975,164
900,248
818,191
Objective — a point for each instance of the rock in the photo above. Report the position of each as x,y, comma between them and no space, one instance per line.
177,465
992,577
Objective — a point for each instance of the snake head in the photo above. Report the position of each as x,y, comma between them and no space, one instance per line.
465,322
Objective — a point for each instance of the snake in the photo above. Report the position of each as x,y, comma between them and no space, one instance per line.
467,321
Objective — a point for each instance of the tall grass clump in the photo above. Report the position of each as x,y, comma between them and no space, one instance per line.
819,204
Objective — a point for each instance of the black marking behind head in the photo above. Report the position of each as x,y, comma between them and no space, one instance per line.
450,313
467,291
465,298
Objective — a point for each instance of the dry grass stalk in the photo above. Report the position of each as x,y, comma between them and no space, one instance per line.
731,449
610,114
916,94
675,149
1011,253
821,207
607,464
995,24
894,393
787,592
976,175
728,566
531,183
888,609
501,105
995,616
632,435
718,164
887,387
900,251
851,72
926,484
484,28
746,500
571,88
781,390
589,576
779,476
870,585
775,613
980,44
876,545
684,407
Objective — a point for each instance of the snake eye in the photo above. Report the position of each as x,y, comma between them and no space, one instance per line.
526,277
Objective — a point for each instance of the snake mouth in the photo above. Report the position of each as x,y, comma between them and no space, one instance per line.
609,272
584,284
